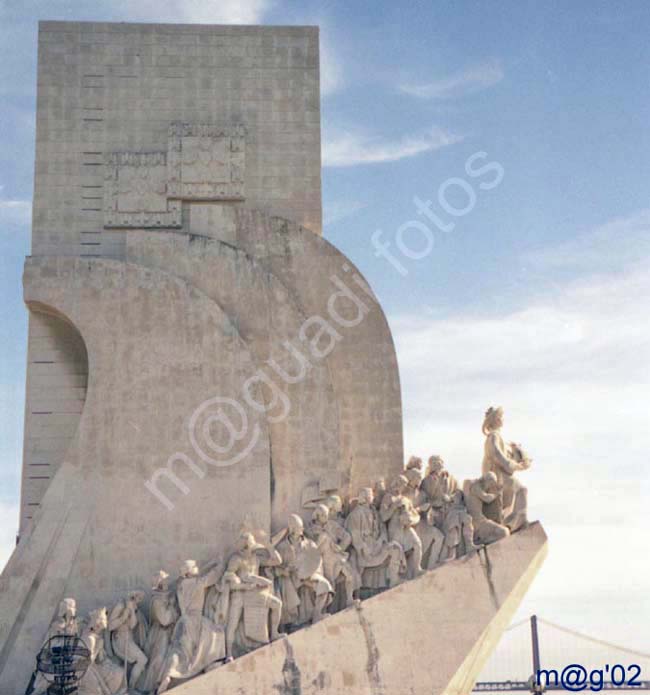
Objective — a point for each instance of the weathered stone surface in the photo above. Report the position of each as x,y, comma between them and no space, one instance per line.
304,422
363,364
183,321
110,94
345,414
132,118
158,348
426,637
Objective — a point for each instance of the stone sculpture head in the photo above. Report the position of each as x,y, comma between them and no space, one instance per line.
160,581
378,490
366,496
414,462
405,519
321,514
247,542
489,482
335,505
67,609
137,597
398,484
189,569
98,620
493,420
414,477
436,464
295,525
457,499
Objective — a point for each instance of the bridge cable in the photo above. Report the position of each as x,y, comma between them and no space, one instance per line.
525,621
574,633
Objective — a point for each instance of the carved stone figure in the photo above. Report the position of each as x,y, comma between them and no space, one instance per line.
439,485
413,491
247,600
401,517
64,623
479,494
304,590
127,629
378,559
336,527
335,506
163,614
459,530
390,504
332,540
429,534
418,522
504,460
415,462
336,522
104,676
378,492
197,642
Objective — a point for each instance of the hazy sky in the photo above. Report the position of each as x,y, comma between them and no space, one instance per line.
537,299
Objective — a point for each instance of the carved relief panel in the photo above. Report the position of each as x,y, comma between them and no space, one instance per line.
135,191
206,162
202,163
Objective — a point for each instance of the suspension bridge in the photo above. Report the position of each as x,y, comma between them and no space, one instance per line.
564,659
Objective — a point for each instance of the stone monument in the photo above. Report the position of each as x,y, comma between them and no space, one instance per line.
208,378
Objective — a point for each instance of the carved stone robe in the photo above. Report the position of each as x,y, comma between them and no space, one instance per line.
499,459
163,614
104,676
477,499
249,609
197,642
439,487
297,585
372,548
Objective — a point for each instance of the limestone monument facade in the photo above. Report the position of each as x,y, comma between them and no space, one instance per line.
213,399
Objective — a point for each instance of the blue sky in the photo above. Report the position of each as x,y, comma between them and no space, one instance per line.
536,300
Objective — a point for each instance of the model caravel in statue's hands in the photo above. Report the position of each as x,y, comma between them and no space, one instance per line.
423,519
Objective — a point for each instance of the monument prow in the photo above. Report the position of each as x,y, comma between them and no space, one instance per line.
204,369
429,636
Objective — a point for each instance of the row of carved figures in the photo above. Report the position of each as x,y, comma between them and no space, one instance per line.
348,550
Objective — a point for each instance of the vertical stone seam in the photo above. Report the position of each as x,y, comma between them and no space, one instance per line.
372,665
487,567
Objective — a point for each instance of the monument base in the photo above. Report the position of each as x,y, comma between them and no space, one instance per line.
428,636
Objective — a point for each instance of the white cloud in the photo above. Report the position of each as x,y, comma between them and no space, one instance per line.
572,371
609,247
196,11
15,212
338,210
469,81
568,363
344,149
331,69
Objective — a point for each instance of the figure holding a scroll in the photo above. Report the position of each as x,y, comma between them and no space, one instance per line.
247,597
304,590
